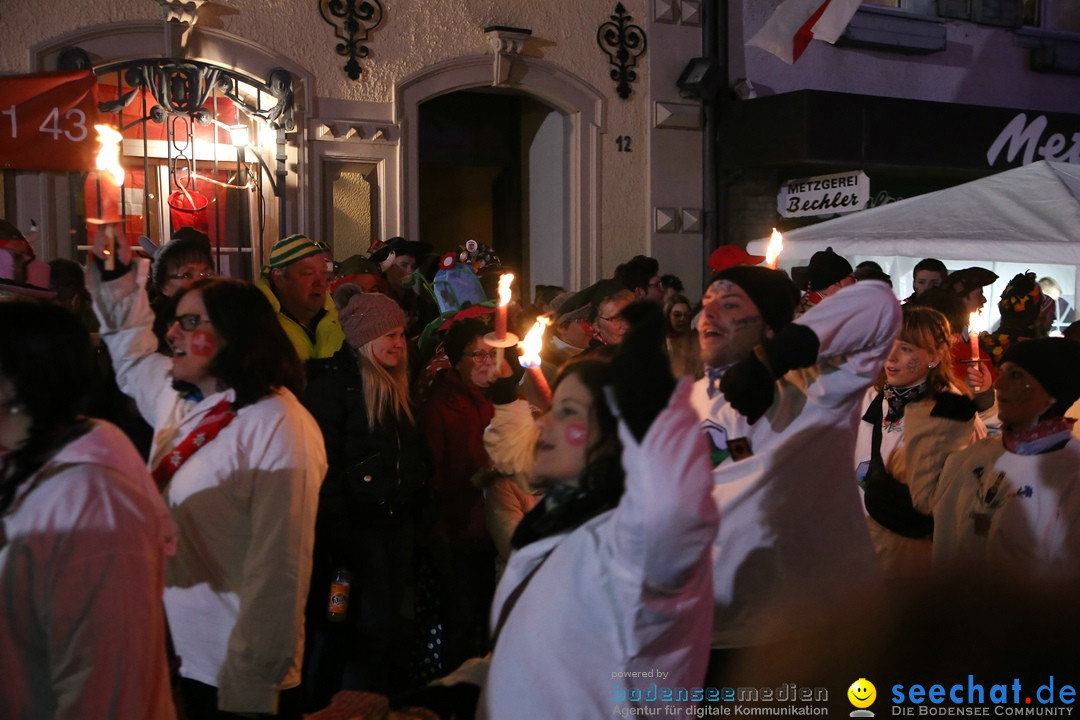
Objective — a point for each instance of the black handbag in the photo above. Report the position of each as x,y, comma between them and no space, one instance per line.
887,499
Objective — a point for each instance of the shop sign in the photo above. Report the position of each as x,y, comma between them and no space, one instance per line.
47,121
1026,139
824,194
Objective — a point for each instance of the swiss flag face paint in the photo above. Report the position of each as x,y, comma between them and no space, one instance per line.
576,434
203,343
565,433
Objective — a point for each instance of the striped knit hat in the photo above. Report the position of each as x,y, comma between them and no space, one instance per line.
288,250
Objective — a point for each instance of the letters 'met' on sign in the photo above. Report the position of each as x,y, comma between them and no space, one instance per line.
824,194
47,121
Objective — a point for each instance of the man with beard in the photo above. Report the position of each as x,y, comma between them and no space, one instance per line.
779,407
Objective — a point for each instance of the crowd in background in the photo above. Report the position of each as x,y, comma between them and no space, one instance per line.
334,490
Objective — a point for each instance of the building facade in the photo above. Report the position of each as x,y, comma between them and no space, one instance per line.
566,136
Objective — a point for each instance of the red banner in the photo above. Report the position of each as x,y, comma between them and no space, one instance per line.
47,121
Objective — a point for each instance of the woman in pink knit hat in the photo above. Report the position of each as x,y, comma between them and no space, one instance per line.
368,506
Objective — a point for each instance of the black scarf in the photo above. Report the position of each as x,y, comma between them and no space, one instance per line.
563,508
897,398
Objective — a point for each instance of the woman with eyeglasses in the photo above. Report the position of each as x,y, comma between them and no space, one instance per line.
184,259
82,537
456,411
239,461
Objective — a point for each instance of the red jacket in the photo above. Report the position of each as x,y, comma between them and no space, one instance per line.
453,419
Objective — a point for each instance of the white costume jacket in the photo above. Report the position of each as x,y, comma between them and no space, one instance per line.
82,564
245,507
901,558
995,511
793,527
620,599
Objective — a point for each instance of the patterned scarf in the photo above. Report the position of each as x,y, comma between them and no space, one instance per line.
1044,436
212,423
899,397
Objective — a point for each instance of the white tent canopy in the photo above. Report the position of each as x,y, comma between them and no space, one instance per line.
1027,218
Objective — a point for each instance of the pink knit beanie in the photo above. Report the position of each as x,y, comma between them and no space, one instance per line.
366,316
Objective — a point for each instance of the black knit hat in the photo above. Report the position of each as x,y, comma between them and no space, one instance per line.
826,268
771,290
1055,363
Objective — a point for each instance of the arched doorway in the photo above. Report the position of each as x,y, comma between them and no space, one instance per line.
492,169
557,120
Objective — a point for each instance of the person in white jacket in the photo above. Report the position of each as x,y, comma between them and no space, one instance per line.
606,603
781,422
240,462
82,538
1008,506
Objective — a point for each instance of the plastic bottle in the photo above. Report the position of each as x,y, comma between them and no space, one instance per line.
338,607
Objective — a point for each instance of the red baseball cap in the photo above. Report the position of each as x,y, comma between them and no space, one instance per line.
727,256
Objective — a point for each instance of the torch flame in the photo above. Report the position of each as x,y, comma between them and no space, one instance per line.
772,252
976,322
533,342
108,158
504,288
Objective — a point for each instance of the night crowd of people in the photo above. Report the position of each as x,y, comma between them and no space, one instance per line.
331,493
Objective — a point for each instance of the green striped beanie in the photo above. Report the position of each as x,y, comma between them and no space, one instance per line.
288,250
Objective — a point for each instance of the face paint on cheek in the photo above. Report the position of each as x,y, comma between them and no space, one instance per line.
576,434
202,343
913,365
746,322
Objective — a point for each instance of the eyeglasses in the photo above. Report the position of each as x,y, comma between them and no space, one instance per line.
190,322
655,284
481,354
615,319
190,276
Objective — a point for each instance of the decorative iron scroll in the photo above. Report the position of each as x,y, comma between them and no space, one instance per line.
352,20
623,43
181,87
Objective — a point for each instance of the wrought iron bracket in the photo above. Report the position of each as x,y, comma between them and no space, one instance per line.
181,87
352,21
624,43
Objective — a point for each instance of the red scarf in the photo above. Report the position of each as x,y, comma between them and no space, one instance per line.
1040,438
214,422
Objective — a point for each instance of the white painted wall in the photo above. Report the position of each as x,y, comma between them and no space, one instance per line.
544,135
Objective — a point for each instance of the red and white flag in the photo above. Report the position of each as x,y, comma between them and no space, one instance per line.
796,22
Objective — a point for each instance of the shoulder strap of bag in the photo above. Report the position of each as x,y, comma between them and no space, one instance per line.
513,597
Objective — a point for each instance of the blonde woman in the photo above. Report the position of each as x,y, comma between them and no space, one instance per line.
918,366
368,504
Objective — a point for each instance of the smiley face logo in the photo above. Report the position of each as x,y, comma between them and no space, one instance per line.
862,693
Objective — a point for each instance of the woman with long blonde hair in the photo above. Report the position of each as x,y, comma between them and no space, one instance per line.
368,504
918,367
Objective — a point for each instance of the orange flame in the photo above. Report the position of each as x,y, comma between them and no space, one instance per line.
108,158
772,252
504,288
976,322
534,340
